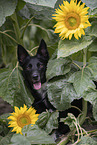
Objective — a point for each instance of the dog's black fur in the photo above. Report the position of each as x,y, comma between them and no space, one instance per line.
34,73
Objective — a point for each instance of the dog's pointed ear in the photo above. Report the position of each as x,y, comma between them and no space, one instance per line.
42,50
22,54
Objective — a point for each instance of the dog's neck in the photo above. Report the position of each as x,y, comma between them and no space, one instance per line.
43,90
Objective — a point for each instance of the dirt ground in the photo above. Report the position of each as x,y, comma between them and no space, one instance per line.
4,107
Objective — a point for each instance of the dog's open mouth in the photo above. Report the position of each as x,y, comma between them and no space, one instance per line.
37,85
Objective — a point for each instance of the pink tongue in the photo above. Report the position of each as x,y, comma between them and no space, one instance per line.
37,86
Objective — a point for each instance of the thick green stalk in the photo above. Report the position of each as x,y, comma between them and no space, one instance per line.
84,57
84,103
65,140
84,112
16,28
25,27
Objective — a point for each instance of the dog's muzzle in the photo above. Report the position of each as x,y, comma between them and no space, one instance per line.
36,81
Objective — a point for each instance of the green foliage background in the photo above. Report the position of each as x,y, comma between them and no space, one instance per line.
71,71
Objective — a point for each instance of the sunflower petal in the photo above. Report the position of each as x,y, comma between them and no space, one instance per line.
16,109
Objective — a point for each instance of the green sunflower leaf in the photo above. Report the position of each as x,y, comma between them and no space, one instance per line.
92,66
13,89
6,139
42,2
92,31
20,5
52,123
58,67
35,135
91,4
7,8
95,109
43,118
59,2
86,140
48,121
19,139
93,46
91,96
40,12
93,12
68,47
82,81
1,60
4,117
61,94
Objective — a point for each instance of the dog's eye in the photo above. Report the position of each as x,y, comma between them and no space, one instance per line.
29,66
40,65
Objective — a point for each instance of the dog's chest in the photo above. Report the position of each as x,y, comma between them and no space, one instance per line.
43,91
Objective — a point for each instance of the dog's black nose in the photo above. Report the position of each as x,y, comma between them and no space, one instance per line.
35,76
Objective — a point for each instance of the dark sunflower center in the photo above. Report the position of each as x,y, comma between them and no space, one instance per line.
72,21
23,120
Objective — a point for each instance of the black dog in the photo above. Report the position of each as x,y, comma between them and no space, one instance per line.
34,73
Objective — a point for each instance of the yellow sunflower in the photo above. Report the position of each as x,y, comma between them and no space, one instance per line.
71,19
22,117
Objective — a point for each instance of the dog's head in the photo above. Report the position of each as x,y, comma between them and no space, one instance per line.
34,67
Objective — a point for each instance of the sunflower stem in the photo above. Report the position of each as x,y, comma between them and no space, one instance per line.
16,28
25,27
84,103
64,141
84,57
